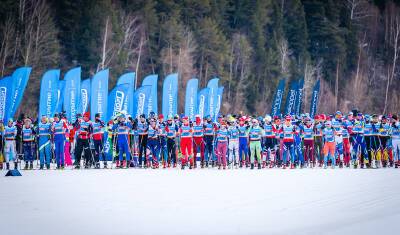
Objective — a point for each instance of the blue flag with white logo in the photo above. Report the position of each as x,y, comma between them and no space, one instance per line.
116,100
99,94
213,96
49,93
5,88
20,79
276,105
291,98
85,96
191,98
141,99
151,80
202,102
299,96
60,96
219,102
128,78
72,93
314,99
170,95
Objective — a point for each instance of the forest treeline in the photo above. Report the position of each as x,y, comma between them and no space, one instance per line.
352,46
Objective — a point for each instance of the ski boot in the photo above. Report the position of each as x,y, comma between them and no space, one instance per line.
164,165
48,166
123,165
26,165
15,165
41,167
252,166
105,165
207,164
97,166
62,166
7,166
259,166
174,165
224,167
183,167
31,166
292,166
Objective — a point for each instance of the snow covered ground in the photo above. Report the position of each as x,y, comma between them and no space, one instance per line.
307,201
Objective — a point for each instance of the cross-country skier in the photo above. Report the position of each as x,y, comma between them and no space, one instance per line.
44,133
186,136
142,128
59,127
308,140
83,128
288,130
198,141
28,139
171,129
98,141
329,144
243,129
209,132
10,153
122,127
233,142
395,134
255,135
163,140
153,143
222,146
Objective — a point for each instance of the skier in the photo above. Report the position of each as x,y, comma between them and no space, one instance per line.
209,141
308,140
28,139
97,136
142,128
243,141
359,147
1,144
153,143
288,130
122,127
44,132
198,141
233,143
171,129
395,134
329,144
222,146
269,140
58,129
255,134
83,128
186,136
10,153
163,140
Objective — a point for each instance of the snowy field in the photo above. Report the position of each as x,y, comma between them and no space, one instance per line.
307,201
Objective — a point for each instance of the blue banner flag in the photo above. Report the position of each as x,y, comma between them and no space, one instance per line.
299,96
72,93
191,98
170,95
213,96
116,100
128,78
49,93
202,102
314,99
60,96
5,89
291,98
151,80
20,79
141,99
99,94
276,105
218,104
85,96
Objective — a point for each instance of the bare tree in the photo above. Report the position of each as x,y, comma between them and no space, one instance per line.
285,53
7,44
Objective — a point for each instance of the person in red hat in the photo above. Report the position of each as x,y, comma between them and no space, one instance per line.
186,134
198,141
83,128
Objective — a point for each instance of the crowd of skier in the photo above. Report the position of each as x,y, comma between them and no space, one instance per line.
232,141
